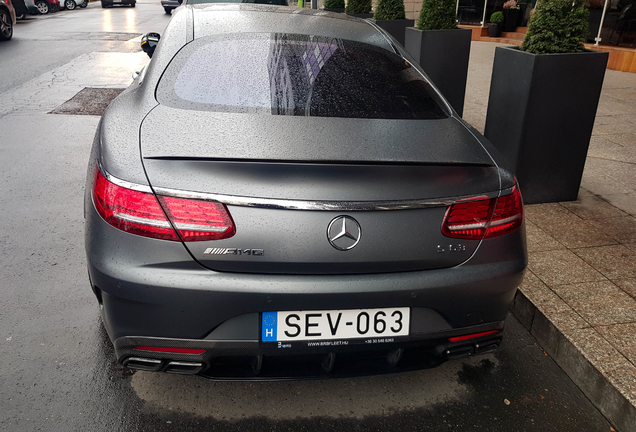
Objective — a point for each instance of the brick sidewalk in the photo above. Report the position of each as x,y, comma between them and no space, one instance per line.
578,298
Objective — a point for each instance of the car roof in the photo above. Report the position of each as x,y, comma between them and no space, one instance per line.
225,18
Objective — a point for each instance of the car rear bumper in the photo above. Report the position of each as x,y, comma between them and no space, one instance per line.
153,293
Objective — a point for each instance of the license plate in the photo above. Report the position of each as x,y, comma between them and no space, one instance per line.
369,324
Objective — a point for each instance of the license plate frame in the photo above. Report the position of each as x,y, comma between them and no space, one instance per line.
334,327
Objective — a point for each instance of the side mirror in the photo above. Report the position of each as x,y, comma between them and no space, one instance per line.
149,42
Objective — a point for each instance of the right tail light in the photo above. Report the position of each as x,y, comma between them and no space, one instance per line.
484,218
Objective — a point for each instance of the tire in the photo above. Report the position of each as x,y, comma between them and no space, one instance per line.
132,4
168,10
70,4
43,7
21,16
6,26
83,5
104,5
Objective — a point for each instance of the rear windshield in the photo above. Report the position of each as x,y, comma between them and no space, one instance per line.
298,75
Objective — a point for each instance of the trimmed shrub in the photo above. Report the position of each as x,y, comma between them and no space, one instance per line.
497,18
358,6
334,4
437,15
557,26
390,10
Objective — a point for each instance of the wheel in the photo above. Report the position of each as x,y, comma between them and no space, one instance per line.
104,5
168,10
6,26
21,16
70,4
54,8
83,5
43,7
132,4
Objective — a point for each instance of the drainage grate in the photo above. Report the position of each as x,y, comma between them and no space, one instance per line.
89,101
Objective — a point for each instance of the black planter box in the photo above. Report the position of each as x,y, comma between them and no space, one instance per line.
540,116
337,10
510,19
494,30
396,28
443,54
362,15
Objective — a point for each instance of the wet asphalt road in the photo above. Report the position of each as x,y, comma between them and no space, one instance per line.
57,367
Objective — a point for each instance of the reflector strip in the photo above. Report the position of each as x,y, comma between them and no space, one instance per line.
193,227
171,350
141,220
472,336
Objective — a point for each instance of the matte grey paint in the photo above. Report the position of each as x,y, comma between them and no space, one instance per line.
307,139
148,286
443,54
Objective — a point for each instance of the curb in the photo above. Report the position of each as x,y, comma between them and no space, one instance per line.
607,398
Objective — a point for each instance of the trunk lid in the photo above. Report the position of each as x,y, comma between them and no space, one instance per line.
286,180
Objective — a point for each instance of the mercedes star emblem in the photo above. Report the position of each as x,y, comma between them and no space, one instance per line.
344,233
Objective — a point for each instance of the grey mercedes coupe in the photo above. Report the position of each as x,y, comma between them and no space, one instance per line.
282,193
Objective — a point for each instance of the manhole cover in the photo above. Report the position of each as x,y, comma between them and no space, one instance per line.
89,101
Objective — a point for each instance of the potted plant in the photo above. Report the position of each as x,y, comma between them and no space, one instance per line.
494,26
359,8
441,49
335,5
390,15
511,15
543,101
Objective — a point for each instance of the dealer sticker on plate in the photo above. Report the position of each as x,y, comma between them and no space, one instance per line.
371,324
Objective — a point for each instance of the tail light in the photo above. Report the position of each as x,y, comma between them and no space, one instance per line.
144,214
484,218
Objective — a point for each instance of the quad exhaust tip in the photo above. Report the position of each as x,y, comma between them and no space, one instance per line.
154,365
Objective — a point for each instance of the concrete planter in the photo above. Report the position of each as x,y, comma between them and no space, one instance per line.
396,28
443,54
540,117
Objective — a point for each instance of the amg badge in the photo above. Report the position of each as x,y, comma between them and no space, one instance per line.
233,251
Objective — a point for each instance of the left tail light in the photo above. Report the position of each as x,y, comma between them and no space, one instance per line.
484,218
145,214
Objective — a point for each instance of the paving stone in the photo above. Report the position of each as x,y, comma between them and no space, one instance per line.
538,240
625,202
621,229
605,358
561,267
622,337
627,285
592,207
566,227
614,262
599,303
627,139
604,177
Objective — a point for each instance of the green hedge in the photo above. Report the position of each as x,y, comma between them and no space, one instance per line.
437,15
390,10
557,26
358,6
334,4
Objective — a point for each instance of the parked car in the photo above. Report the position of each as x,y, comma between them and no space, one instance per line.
72,4
111,3
7,20
313,208
170,5
43,7
20,9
